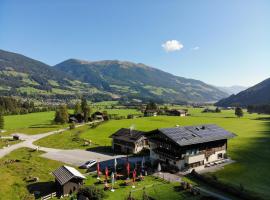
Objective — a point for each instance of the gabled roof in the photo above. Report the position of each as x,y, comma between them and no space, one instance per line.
128,135
189,135
65,173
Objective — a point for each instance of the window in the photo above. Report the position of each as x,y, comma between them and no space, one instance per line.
219,156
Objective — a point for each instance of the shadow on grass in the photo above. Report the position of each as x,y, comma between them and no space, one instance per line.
252,160
43,126
263,118
107,150
41,189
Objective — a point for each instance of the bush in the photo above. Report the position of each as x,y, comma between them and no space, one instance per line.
91,192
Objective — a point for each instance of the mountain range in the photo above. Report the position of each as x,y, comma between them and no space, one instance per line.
235,89
256,95
100,80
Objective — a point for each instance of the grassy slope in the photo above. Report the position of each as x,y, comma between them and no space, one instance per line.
12,175
250,148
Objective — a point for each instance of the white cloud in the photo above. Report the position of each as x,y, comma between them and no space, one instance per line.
196,48
172,45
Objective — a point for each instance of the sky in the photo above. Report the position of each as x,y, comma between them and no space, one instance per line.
221,42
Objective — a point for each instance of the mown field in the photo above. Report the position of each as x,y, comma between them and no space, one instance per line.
42,122
30,123
250,149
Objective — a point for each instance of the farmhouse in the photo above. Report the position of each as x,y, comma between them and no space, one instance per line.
98,115
67,180
190,147
181,113
129,141
150,113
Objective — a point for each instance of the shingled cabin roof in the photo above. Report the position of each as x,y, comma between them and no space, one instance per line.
65,173
128,135
189,135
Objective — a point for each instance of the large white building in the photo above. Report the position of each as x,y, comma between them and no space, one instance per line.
190,147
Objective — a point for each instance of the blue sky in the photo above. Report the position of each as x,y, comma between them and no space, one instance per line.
219,42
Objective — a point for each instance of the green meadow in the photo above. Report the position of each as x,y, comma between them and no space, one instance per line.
33,123
15,176
250,149
42,122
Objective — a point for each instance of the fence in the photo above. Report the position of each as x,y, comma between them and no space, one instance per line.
49,196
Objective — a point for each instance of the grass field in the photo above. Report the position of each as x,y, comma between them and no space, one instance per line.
6,142
35,123
30,123
250,148
14,175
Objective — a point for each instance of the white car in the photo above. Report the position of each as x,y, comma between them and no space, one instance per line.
89,164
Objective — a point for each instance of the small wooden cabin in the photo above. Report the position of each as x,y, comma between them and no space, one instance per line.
67,180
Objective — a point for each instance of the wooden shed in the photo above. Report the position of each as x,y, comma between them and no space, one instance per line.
67,180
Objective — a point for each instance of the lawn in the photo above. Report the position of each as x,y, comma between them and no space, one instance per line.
14,175
154,187
250,148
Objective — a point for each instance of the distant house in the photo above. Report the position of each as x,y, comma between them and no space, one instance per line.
150,113
180,112
76,118
190,147
98,115
129,141
67,180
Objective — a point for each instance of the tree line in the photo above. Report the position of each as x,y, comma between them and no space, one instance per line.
12,106
260,109
81,108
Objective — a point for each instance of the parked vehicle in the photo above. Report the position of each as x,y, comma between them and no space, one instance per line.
89,164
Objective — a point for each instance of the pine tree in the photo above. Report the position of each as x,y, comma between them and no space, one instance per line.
239,112
2,122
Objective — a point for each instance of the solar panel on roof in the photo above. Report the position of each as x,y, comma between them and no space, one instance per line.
196,134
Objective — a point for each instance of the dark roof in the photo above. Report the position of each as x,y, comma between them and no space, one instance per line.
65,173
127,134
150,111
189,135
179,110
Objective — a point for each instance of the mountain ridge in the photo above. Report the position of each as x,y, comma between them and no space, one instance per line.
258,94
139,77
106,79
